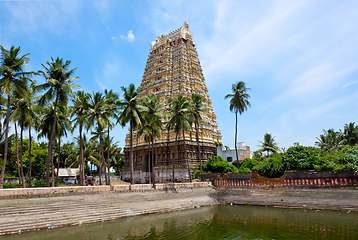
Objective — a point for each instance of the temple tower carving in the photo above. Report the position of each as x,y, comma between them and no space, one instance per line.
173,68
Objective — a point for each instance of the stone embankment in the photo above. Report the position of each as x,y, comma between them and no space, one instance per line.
344,199
26,214
75,190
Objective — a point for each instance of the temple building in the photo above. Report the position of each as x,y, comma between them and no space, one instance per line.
173,68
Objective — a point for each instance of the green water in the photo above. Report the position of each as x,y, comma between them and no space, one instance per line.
216,222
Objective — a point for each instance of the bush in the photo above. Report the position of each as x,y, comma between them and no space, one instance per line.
271,168
302,158
248,164
218,165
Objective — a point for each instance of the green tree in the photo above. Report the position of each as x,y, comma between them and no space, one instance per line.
38,158
152,125
197,109
114,105
45,128
26,114
179,120
80,110
239,101
59,86
331,141
218,165
132,113
269,144
99,115
63,125
350,133
12,73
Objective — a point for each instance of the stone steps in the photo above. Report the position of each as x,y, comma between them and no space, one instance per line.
24,214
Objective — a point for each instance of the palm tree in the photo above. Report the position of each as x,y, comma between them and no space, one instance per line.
45,126
59,85
81,111
132,113
147,131
350,133
89,152
179,120
11,72
196,110
113,106
26,114
238,103
331,140
269,144
114,153
99,115
152,125
63,124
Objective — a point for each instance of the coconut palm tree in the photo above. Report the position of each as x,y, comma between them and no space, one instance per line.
26,113
80,110
269,144
99,115
179,120
147,131
152,124
113,107
239,101
89,152
197,109
12,73
132,113
59,87
350,133
45,126
331,140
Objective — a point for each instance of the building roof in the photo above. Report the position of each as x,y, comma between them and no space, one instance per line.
67,172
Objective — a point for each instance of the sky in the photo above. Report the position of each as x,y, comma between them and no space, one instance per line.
299,58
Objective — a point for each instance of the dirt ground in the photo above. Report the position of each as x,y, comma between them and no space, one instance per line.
119,182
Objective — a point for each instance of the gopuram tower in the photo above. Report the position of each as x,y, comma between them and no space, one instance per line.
173,68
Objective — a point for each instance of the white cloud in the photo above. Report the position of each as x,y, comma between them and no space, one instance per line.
130,36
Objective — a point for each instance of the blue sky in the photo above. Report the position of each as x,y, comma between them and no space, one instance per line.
300,58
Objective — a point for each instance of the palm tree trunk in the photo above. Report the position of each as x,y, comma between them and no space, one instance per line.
81,159
101,152
100,167
104,164
149,175
6,142
153,176
131,152
58,159
199,153
109,174
177,154
49,156
237,155
17,155
30,163
21,163
52,173
186,156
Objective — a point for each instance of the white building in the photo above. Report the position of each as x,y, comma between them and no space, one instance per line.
229,155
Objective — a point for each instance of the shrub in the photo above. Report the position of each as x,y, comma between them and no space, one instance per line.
218,165
272,167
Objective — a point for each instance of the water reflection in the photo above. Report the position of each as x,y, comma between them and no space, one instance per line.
217,222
